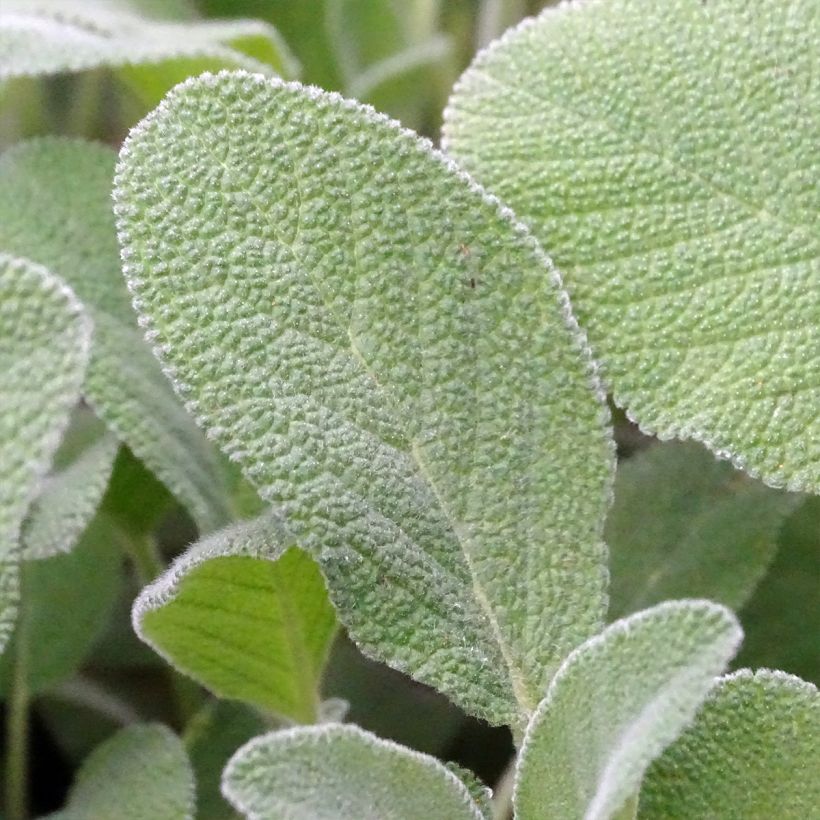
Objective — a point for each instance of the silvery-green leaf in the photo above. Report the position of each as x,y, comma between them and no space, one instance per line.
389,357
685,525
344,773
753,753
665,154
141,773
55,208
44,347
246,616
616,702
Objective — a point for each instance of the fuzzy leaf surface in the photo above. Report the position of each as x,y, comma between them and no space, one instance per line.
55,208
685,525
44,347
341,772
666,156
389,357
615,704
753,753
246,616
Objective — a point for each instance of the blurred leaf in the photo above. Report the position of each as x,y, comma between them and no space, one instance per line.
685,525
44,344
753,753
141,773
782,619
665,154
341,772
388,356
55,208
244,615
615,704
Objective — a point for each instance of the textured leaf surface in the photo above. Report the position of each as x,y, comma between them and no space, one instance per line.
343,773
44,344
665,154
684,525
141,773
55,208
390,359
615,704
753,753
245,616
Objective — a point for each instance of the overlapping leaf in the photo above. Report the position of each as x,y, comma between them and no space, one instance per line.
753,753
44,347
615,704
389,357
342,772
55,208
666,156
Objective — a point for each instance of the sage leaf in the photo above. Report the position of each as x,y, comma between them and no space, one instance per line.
246,616
55,208
44,348
666,156
753,753
343,772
615,704
390,359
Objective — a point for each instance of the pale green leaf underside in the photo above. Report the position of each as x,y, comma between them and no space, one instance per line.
55,208
141,773
339,772
246,616
44,348
615,704
389,358
685,525
666,156
41,37
753,753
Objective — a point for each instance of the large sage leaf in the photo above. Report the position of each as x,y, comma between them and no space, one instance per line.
44,348
246,616
615,704
666,156
390,358
55,208
753,753
341,772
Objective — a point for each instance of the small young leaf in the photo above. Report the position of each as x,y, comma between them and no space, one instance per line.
55,208
685,525
389,357
244,615
666,156
753,753
615,704
141,773
44,346
343,772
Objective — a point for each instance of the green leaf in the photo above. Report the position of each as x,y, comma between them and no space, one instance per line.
244,615
71,494
55,208
753,753
141,773
44,344
389,358
67,600
341,772
665,154
615,704
684,525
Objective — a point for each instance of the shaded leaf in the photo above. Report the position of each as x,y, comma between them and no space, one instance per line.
665,154
389,358
341,772
615,704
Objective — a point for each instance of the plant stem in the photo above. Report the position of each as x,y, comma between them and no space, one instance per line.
17,725
144,554
503,793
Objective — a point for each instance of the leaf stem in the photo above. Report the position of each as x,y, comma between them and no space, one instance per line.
17,722
503,792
